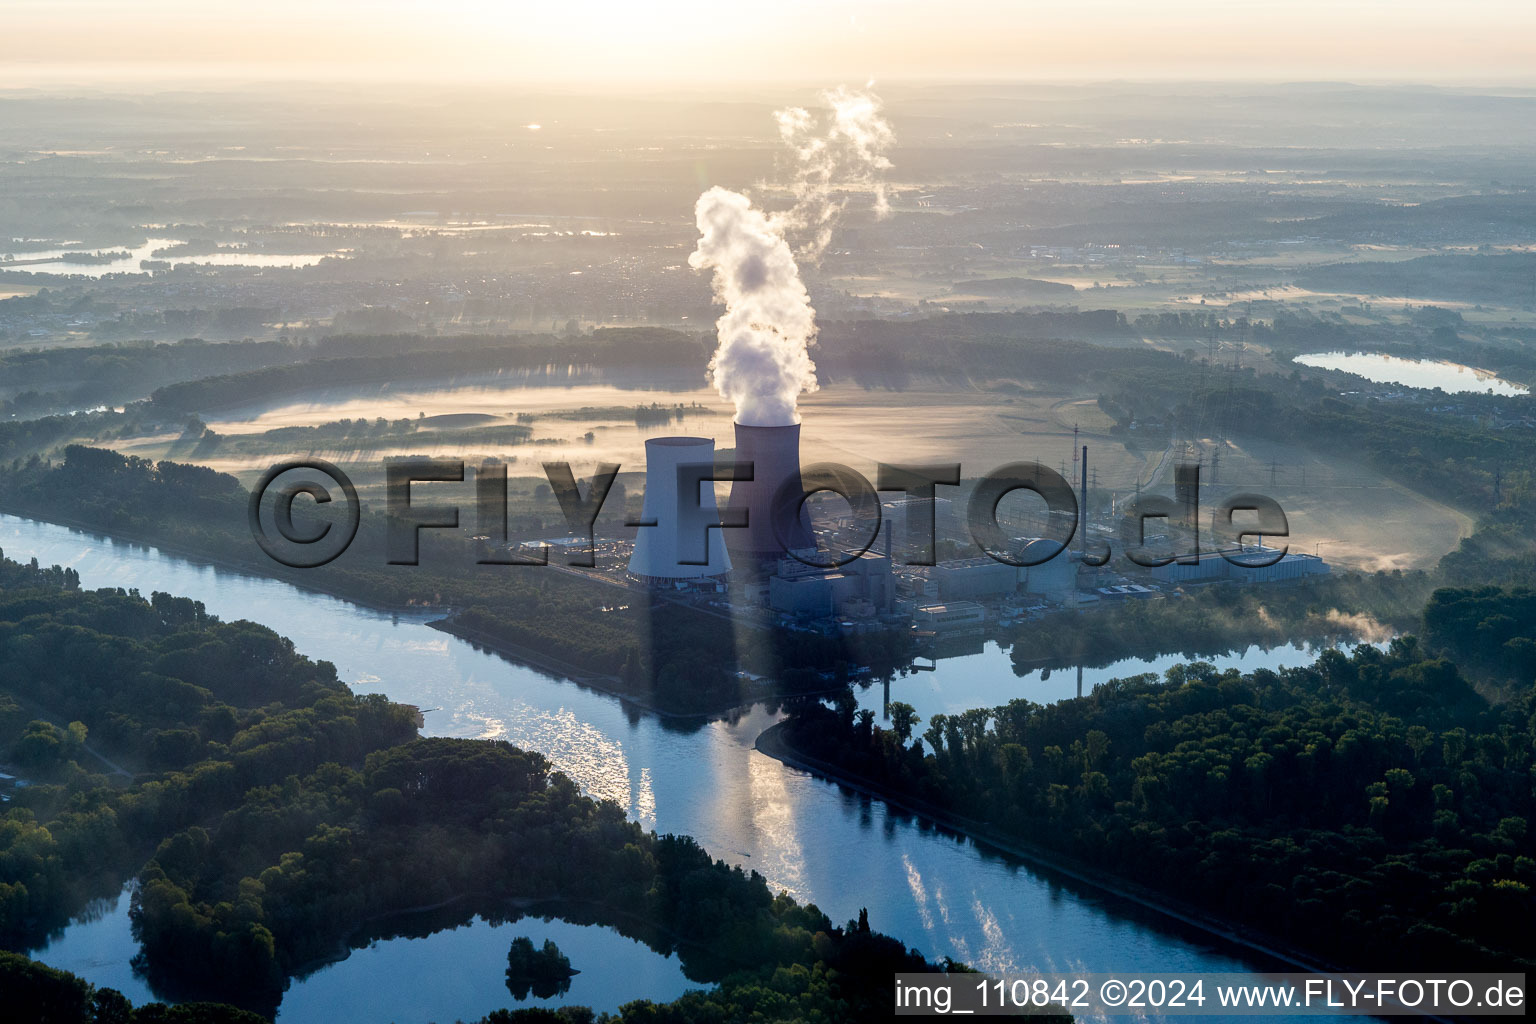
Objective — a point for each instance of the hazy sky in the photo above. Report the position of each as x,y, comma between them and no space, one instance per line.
602,41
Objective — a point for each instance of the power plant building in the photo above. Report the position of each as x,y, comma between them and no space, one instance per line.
971,578
1056,577
1213,566
1209,567
954,618
895,513
862,585
816,596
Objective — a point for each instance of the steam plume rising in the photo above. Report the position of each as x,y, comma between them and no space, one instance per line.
762,363
844,148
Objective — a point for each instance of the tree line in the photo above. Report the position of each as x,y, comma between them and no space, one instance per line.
1372,809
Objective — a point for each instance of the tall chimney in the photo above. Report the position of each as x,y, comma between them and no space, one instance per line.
1082,506
775,456
1186,492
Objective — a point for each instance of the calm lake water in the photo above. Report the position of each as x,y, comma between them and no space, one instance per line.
404,979
129,264
987,679
821,843
1414,373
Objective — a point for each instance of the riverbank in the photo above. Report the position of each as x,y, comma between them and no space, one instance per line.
261,568
265,569
344,947
773,744
1086,642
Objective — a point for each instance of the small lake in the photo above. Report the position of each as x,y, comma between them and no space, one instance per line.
52,261
411,979
1429,374
986,679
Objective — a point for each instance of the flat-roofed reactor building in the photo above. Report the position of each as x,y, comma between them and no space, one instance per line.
952,618
657,556
984,578
970,578
1214,565
1055,575
865,582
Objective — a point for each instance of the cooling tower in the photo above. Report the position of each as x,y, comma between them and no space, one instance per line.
658,556
775,456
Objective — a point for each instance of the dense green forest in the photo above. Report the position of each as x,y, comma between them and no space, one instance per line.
1501,551
38,994
274,812
197,710
201,709
1372,809
1489,628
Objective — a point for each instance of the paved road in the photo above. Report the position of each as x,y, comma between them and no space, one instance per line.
1162,464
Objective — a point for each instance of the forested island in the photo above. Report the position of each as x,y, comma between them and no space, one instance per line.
544,971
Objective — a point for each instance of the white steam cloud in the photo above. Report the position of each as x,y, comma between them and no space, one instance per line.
762,363
843,149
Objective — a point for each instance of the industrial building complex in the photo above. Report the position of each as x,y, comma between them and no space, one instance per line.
740,559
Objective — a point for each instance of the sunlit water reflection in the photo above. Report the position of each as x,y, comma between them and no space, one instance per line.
823,844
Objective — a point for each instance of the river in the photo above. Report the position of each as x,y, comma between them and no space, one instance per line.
819,842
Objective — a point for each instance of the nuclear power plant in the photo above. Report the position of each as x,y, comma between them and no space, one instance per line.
658,555
770,532
684,549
